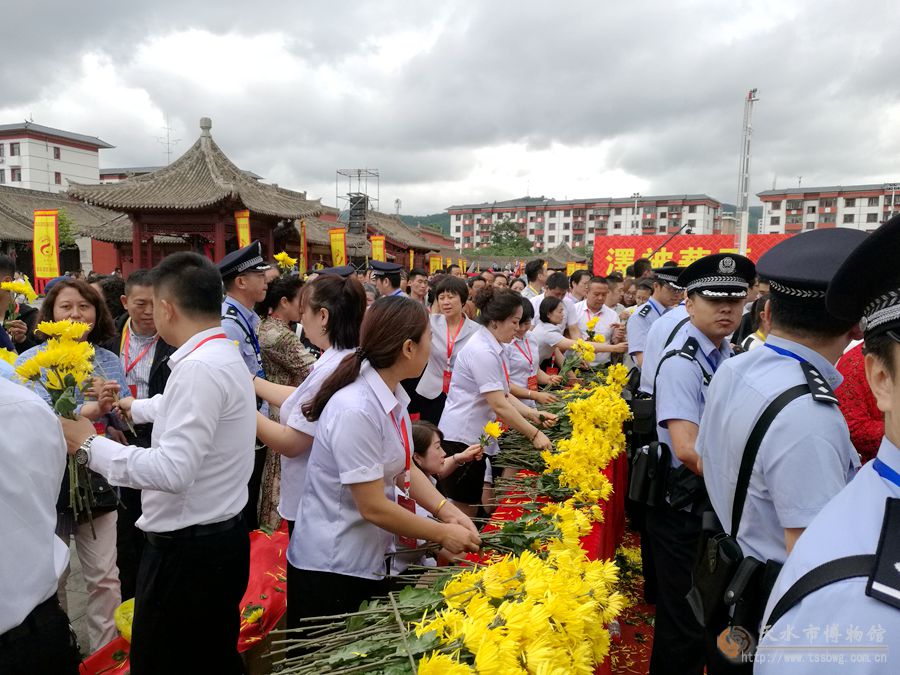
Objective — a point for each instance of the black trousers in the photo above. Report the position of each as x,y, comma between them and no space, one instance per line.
678,640
187,608
251,509
326,593
129,540
42,643
466,483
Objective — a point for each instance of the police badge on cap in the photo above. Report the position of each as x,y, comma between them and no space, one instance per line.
247,259
723,275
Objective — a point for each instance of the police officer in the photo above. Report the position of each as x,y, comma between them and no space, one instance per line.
661,335
665,295
863,519
716,286
386,277
805,456
244,276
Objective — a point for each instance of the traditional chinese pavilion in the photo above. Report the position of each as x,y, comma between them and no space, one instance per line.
195,198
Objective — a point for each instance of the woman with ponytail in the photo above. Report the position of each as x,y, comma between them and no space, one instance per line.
332,309
481,394
362,485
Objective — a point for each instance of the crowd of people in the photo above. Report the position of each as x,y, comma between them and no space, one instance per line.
351,406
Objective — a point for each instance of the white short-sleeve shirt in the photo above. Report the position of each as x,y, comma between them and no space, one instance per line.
432,382
522,359
606,318
293,469
546,336
356,442
480,368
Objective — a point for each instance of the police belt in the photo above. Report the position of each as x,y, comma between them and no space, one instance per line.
193,531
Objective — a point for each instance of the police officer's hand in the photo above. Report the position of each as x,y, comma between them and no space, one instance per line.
458,539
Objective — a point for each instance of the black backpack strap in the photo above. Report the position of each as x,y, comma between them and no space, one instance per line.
675,331
828,573
752,448
688,351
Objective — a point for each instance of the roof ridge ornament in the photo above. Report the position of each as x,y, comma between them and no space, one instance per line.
205,126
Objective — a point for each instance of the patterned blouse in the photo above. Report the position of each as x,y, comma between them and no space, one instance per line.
285,359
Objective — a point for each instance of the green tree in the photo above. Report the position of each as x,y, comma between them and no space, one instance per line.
506,241
66,231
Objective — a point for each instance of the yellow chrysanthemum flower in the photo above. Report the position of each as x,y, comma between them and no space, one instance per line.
63,330
8,356
285,262
442,664
493,429
20,287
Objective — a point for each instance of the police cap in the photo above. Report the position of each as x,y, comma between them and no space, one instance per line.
247,259
717,276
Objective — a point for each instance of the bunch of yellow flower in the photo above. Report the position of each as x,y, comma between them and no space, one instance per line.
585,350
8,356
525,614
284,261
19,287
591,326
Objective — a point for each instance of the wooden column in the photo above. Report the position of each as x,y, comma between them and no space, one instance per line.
136,234
269,253
219,238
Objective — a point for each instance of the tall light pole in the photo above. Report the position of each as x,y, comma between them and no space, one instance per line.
635,197
893,188
743,196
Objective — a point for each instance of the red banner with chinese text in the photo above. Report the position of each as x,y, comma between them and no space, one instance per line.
616,252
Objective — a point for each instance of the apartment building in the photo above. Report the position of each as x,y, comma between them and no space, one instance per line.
550,222
36,157
862,207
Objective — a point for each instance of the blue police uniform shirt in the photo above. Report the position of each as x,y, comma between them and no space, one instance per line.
638,326
805,459
240,324
655,347
681,387
7,371
840,615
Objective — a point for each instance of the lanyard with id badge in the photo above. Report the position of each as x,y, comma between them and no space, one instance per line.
125,349
450,344
403,498
532,379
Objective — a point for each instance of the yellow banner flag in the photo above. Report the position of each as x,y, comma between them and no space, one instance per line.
412,258
338,238
572,267
46,244
449,262
434,263
242,221
378,247
303,263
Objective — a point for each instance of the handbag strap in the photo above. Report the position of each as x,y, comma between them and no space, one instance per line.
752,449
819,577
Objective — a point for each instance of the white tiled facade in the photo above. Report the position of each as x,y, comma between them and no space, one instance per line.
548,222
861,207
36,158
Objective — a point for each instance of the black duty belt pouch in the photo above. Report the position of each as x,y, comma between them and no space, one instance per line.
649,473
685,488
643,410
715,568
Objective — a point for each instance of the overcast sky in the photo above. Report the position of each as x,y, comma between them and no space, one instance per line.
458,102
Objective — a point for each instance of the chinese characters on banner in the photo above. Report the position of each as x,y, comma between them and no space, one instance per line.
378,247
434,263
242,222
303,263
616,252
338,238
46,245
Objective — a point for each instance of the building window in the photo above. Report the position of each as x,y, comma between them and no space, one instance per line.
566,239
850,203
776,206
692,223
459,216
826,203
2,150
2,176
618,211
662,228
13,149
794,204
871,217
794,220
848,217
592,217
810,225
15,175
567,213
551,238
692,208
566,226
827,218
56,152
459,228
810,209
617,225
776,220
551,214
57,178
873,201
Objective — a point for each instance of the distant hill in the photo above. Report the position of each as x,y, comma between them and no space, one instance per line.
756,213
440,220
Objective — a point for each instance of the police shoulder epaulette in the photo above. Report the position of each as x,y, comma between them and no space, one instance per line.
645,310
820,389
231,311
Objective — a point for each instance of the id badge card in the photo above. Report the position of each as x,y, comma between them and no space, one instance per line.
553,371
409,504
446,386
533,383
133,389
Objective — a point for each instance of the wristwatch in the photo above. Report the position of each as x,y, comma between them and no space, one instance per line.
81,454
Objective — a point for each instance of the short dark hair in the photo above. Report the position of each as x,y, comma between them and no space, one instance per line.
882,347
807,318
282,287
497,304
451,284
345,300
615,276
138,278
112,287
7,266
417,272
599,280
533,268
392,277
470,282
558,281
104,329
548,306
577,276
527,310
191,282
450,267
645,284
629,271
641,266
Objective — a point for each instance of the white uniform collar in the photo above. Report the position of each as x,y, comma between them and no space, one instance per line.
389,400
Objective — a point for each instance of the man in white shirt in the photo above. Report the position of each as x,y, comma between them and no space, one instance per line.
579,283
196,560
608,325
34,631
536,275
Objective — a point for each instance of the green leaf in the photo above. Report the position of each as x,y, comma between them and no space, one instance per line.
419,645
65,404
